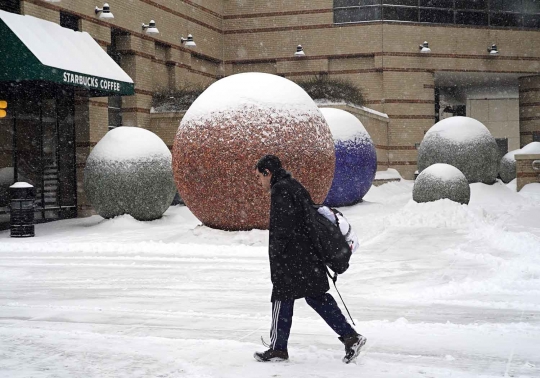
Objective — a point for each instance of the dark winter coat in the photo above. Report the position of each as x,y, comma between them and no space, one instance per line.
296,269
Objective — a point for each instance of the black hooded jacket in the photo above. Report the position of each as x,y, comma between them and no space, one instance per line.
296,269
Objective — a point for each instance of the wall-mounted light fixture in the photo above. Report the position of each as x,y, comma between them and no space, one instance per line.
189,42
493,50
299,51
150,28
424,47
104,12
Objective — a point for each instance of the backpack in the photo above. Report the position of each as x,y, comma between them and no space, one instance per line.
332,242
339,220
335,241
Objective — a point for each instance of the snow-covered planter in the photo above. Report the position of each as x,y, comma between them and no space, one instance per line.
507,168
228,128
464,143
129,172
356,158
440,181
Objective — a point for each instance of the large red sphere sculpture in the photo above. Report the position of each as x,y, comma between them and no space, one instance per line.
231,125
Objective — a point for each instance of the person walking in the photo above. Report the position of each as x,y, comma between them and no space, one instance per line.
296,270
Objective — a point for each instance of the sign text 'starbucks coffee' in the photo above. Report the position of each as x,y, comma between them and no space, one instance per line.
91,82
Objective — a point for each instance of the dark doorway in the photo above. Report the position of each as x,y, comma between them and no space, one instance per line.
13,6
38,147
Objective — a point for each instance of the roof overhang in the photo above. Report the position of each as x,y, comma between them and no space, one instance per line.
37,50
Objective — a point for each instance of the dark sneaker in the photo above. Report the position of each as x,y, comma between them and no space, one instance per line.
353,344
272,355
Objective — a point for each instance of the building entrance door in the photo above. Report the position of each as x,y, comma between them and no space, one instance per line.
42,145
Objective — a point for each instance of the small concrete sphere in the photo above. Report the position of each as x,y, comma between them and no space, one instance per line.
507,168
356,158
440,181
228,128
464,143
130,172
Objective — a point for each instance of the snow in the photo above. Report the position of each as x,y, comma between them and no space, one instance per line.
387,174
439,289
459,129
130,143
344,125
19,185
530,149
63,48
252,89
445,172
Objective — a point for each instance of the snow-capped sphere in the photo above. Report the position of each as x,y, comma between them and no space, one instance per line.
228,128
440,181
464,143
507,168
356,158
130,172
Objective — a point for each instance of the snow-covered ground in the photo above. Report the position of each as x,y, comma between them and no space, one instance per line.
439,289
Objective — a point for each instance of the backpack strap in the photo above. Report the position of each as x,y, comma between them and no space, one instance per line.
335,215
336,212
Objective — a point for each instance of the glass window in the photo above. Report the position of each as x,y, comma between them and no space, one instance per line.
400,14
346,3
505,19
505,5
531,6
471,18
471,4
69,21
437,16
357,14
449,4
355,3
502,143
531,21
13,6
115,111
411,3
344,15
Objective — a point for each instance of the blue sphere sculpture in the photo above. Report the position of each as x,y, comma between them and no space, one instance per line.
356,158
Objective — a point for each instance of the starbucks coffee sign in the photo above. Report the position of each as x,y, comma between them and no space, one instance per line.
92,82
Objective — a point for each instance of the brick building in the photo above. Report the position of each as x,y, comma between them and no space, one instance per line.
373,43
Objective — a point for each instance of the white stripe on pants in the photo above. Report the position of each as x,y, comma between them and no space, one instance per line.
275,318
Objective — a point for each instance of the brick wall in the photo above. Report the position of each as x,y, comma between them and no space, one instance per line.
241,36
525,172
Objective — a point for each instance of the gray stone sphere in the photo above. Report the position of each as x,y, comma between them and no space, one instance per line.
440,181
464,143
130,172
507,168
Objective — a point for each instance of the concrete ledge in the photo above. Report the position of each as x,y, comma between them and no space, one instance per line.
379,182
527,157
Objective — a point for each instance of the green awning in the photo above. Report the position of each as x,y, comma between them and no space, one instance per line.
32,49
